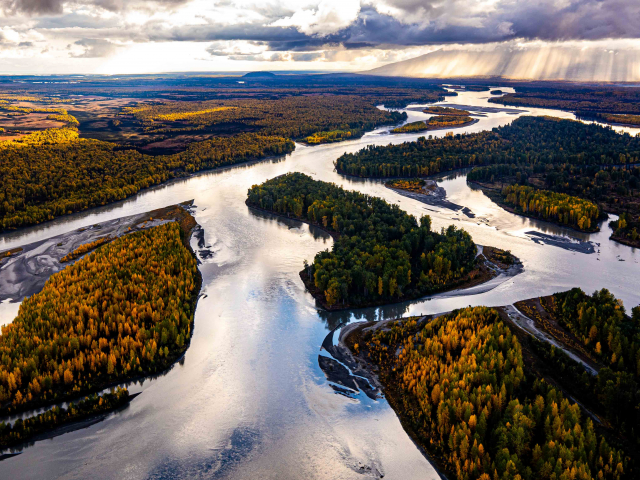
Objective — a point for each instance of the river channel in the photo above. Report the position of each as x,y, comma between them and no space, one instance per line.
249,400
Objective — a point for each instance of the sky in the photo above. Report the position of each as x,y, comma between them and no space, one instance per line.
150,36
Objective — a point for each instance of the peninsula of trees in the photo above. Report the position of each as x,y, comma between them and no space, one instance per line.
462,387
121,312
584,99
381,254
90,407
560,208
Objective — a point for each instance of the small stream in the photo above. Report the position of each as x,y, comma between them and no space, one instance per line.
249,399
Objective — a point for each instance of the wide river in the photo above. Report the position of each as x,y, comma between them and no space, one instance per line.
249,400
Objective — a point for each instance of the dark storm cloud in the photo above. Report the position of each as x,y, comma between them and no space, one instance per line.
580,20
519,19
49,7
420,22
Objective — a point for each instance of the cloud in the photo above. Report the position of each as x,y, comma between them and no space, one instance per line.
313,30
57,7
95,48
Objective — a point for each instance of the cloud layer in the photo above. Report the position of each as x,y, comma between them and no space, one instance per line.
305,30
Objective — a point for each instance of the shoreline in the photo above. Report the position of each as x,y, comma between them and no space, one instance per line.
346,341
401,402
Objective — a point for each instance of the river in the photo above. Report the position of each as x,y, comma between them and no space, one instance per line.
249,399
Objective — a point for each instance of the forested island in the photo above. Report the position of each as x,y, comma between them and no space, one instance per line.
486,400
435,123
440,110
380,254
578,162
121,312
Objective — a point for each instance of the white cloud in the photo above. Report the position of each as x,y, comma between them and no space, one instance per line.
329,16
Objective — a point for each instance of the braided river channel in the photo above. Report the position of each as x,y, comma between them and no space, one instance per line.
249,399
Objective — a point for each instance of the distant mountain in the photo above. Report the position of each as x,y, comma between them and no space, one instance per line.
259,75
541,63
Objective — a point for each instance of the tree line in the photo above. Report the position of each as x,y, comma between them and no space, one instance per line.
122,311
381,254
558,207
578,99
536,141
54,172
23,430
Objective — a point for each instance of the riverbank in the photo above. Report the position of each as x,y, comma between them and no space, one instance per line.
27,268
436,199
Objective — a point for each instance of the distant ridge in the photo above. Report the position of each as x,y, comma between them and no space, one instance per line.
259,75
539,63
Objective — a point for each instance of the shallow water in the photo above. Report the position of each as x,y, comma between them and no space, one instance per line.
249,399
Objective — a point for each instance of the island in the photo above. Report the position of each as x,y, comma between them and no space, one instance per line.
440,110
381,254
436,123
480,393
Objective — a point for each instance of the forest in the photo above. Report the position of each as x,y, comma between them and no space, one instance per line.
626,230
557,207
295,117
590,162
623,119
54,172
412,185
333,136
122,311
24,430
601,99
433,123
461,384
381,253
538,141
598,327
439,110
